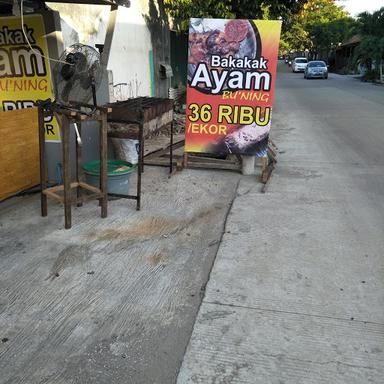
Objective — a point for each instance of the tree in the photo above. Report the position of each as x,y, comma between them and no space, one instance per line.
294,39
182,10
371,47
319,26
326,23
320,12
330,34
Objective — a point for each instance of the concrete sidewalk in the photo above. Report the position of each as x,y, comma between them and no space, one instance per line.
114,300
296,292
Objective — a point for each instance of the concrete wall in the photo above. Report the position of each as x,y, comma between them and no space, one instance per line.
130,54
179,55
131,48
157,23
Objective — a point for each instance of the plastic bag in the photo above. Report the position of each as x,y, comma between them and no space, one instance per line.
126,149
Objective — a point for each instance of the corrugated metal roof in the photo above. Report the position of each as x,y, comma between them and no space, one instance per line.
40,3
355,39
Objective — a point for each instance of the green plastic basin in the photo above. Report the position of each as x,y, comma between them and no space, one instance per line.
118,171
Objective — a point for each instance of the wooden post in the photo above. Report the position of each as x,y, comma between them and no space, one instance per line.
141,128
109,36
139,166
66,173
185,160
78,165
171,150
43,169
103,164
264,168
248,165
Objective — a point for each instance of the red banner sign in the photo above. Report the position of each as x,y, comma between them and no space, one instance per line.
231,78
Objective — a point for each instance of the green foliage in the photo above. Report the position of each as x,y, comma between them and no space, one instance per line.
372,24
321,25
327,24
348,69
331,33
294,39
182,10
371,47
307,24
318,12
370,76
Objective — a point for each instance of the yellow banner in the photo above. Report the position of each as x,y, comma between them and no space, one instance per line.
25,76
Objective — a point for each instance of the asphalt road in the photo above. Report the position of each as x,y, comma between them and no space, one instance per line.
296,294
350,113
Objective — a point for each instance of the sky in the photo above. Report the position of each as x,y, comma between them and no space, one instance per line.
354,7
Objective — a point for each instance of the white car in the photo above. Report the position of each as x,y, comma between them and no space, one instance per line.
316,69
299,64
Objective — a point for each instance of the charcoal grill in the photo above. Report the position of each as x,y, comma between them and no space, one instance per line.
149,114
143,110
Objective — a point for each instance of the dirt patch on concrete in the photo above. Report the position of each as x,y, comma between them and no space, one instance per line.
70,256
158,258
151,227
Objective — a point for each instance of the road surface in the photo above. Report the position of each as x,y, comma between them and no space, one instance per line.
296,294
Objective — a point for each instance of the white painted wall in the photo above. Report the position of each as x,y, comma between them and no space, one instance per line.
129,57
132,41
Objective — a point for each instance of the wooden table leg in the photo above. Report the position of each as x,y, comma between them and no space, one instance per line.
171,150
78,165
43,168
264,169
66,173
103,165
185,160
140,166
141,154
